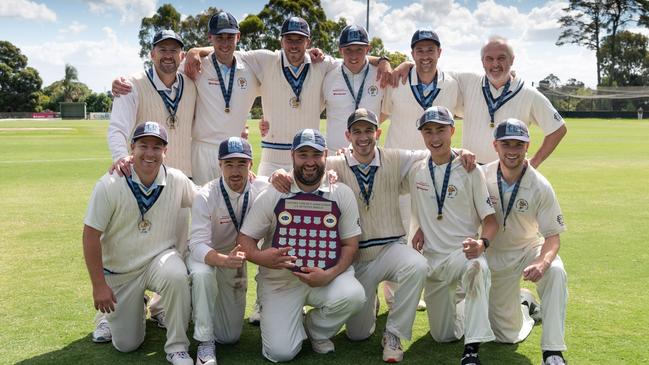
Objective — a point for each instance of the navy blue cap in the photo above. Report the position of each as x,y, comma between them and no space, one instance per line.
296,25
167,34
436,114
153,129
223,22
362,114
310,138
512,128
424,35
235,147
353,34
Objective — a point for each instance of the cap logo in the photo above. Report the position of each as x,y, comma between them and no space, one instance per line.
432,115
308,135
354,35
514,130
425,34
223,21
152,127
294,24
235,145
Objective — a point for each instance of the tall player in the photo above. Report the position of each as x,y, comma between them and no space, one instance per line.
351,85
216,264
128,243
160,94
527,245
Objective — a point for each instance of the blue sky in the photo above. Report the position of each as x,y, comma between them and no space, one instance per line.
99,37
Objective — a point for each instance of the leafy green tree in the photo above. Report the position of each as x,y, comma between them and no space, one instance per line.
167,17
19,84
626,63
56,90
194,28
98,103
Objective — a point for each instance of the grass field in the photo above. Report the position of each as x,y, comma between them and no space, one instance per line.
48,168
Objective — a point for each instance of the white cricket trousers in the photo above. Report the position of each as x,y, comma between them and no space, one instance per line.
448,320
406,268
205,162
510,320
282,330
166,274
218,301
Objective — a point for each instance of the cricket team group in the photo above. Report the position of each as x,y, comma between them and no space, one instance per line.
326,219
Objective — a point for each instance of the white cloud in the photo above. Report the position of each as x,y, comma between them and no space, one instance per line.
131,10
74,28
98,62
25,9
464,26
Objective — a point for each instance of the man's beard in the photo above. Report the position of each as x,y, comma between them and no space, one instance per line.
309,181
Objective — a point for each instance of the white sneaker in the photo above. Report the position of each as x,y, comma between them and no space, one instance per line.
159,319
554,360
180,358
421,306
102,334
323,346
255,316
528,299
392,350
206,353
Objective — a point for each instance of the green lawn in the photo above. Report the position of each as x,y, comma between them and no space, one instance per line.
48,168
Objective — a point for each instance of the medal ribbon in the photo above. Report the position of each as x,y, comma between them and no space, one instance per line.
227,93
418,91
357,98
233,216
296,82
144,203
493,104
170,104
447,175
512,198
365,181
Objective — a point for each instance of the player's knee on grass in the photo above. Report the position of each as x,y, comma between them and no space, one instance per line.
127,343
278,350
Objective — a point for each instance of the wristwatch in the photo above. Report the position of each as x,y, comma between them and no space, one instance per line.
485,242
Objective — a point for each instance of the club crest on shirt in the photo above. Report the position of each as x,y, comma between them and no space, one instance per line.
522,205
373,90
451,192
242,82
560,220
492,201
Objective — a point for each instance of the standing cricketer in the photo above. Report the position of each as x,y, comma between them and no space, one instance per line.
452,209
216,264
129,240
334,293
527,245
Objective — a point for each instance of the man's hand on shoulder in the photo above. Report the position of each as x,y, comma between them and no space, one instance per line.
122,166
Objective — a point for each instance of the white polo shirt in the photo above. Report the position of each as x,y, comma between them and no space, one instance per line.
465,206
340,103
212,124
404,110
528,105
535,214
261,220
212,227
113,210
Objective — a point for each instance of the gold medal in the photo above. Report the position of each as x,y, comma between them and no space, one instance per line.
491,125
439,217
227,110
294,102
171,121
144,226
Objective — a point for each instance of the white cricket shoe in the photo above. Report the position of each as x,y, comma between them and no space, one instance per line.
180,358
206,353
554,360
421,306
102,334
392,350
159,319
323,346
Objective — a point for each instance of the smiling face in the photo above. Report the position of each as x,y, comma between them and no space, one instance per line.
294,46
354,56
309,165
511,152
166,56
235,172
497,62
363,136
148,155
437,138
426,54
224,45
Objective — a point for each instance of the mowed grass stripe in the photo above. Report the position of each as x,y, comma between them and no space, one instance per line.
599,172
